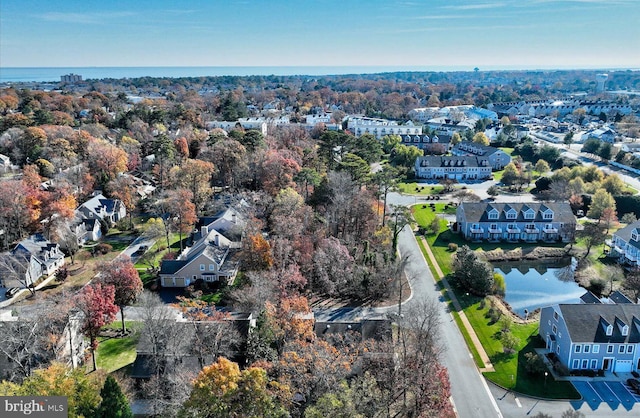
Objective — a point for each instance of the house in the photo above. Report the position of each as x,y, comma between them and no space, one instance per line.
101,208
86,229
452,167
314,119
604,134
366,329
188,346
625,244
258,124
497,158
597,336
5,164
213,255
513,222
44,257
437,144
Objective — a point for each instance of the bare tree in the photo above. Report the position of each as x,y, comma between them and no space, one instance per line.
19,268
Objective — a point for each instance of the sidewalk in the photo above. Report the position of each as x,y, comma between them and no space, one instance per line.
488,367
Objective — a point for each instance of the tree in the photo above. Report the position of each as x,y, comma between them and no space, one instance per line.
568,138
114,404
195,176
400,216
509,342
632,282
493,191
542,166
591,146
613,184
124,189
358,168
593,234
608,219
455,138
601,200
338,404
18,267
511,174
278,172
470,273
177,212
628,218
307,177
481,138
256,253
124,277
221,390
96,303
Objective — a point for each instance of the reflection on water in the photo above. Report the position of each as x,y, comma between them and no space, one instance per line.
530,286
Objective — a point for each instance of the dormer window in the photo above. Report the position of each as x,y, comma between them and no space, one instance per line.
634,236
609,330
625,330
511,214
548,215
529,214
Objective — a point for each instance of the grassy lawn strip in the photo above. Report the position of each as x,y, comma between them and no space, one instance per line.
159,249
116,353
454,313
423,190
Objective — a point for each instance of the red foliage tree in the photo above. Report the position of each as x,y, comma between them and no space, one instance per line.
96,302
124,277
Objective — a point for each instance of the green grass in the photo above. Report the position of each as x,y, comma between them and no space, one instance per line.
509,369
497,176
116,353
410,188
507,150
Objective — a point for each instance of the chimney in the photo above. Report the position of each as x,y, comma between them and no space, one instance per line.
217,240
204,231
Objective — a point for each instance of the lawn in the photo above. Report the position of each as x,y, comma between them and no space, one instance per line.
509,369
422,190
116,353
159,249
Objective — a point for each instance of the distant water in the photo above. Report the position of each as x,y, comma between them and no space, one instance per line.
52,74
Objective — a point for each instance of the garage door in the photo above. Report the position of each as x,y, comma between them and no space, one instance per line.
623,366
180,282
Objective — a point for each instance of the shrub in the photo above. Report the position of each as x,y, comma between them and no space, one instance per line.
534,364
499,285
103,248
452,247
597,286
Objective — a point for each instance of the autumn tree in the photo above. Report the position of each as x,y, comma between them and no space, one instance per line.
542,166
307,177
278,172
96,303
195,176
123,276
108,160
593,234
256,253
631,282
229,157
222,390
613,184
481,138
124,189
14,210
114,404
601,200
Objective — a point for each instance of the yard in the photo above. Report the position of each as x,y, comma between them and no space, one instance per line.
509,369
114,353
420,190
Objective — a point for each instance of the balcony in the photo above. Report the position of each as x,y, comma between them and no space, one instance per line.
513,230
477,230
531,230
550,230
495,230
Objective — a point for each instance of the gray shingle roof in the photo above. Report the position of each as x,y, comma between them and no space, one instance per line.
477,212
454,161
584,322
625,233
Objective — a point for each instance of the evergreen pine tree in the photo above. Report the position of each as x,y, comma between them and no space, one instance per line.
114,404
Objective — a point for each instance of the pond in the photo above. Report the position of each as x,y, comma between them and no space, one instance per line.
534,285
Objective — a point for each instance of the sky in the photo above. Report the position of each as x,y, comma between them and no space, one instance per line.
502,34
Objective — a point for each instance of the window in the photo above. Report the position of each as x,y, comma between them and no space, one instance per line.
594,364
609,348
558,349
548,215
531,226
493,215
621,349
634,236
555,315
596,349
212,267
585,363
576,363
201,267
529,214
609,330
494,226
554,329
511,215
630,349
578,348
587,348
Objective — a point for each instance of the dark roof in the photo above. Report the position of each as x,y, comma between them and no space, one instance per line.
484,150
589,297
585,322
172,266
618,297
478,212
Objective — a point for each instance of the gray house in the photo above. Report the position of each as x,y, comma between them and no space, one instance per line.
44,256
213,255
625,244
593,336
497,158
513,222
452,167
99,207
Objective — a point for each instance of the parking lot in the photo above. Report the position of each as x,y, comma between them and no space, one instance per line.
614,393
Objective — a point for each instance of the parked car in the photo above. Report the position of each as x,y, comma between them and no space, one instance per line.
11,292
634,384
141,250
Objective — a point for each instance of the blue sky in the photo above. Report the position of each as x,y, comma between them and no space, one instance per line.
430,33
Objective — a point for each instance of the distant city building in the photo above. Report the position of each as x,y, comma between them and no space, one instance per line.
70,78
601,79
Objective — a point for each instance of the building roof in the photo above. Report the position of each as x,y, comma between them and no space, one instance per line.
376,329
625,233
478,212
619,297
585,322
451,161
475,148
589,297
